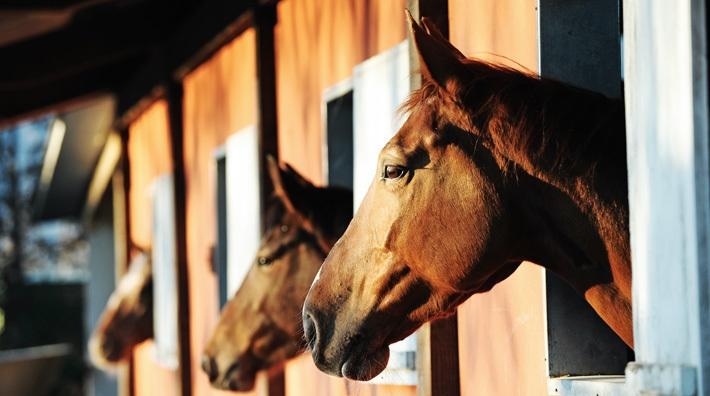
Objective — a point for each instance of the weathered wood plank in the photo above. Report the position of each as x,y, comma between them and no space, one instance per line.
264,23
174,98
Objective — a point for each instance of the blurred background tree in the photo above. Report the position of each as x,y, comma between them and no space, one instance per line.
31,253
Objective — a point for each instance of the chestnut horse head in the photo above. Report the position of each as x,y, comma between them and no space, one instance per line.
260,326
492,167
127,319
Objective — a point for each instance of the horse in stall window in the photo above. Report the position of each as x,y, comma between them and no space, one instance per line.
260,326
492,167
127,319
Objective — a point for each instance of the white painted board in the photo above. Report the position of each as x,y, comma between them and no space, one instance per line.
163,252
380,86
243,205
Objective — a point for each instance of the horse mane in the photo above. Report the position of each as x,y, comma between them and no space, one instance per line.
552,130
330,209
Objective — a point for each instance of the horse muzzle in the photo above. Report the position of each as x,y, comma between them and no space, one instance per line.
348,354
236,377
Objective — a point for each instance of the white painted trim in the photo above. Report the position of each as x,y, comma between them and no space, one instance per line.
661,379
164,260
665,73
607,385
243,205
380,85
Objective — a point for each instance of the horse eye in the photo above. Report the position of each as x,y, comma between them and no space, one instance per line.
263,260
284,228
393,172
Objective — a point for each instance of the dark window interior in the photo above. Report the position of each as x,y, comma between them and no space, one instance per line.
580,44
220,250
339,124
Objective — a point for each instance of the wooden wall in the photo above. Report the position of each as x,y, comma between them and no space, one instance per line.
219,100
317,45
502,333
149,151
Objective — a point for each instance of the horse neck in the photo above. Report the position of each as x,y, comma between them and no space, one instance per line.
581,246
572,140
571,166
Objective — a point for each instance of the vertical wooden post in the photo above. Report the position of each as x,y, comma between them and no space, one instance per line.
267,123
265,17
174,98
437,342
271,382
126,376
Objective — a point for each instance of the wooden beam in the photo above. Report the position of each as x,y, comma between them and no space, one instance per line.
437,341
123,246
144,88
438,358
174,98
87,43
209,28
42,5
264,23
21,104
264,20
94,52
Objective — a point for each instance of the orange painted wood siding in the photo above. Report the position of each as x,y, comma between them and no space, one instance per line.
318,42
149,153
502,333
219,100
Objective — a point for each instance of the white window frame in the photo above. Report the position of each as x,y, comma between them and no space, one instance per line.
665,62
164,261
380,84
243,205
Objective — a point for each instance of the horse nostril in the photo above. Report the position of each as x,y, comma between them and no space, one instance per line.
310,330
209,366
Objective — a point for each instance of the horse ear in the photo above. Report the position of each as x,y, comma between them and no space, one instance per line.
440,62
289,186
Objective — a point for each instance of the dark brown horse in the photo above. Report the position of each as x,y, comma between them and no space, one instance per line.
260,326
127,319
492,167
